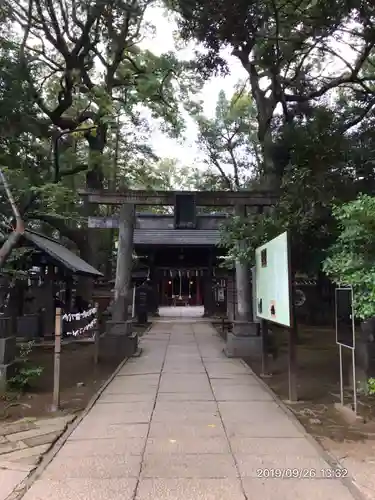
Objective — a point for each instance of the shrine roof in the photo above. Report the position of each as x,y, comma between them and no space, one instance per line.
60,254
180,237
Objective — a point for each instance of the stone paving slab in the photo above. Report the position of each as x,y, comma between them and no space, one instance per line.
296,489
22,445
184,423
251,411
189,466
9,480
188,445
261,446
9,447
251,465
31,454
82,489
208,418
270,428
95,467
234,381
119,417
33,433
188,368
102,447
190,489
181,429
183,385
125,398
120,388
185,407
241,393
96,430
185,396
146,370
140,378
119,409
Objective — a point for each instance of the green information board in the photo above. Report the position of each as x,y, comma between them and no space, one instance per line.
273,281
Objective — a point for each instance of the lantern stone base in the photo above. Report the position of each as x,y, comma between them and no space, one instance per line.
244,341
6,372
7,361
119,342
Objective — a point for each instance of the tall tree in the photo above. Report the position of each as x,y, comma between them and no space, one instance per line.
229,140
319,173
82,59
290,52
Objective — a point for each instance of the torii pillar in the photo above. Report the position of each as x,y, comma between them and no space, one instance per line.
119,340
244,340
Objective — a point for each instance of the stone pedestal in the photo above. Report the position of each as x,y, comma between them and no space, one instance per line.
7,359
119,342
6,372
244,341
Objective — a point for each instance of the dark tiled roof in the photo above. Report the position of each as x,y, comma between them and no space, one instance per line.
61,254
147,215
203,237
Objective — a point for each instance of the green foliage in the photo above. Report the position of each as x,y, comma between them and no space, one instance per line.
229,140
350,260
317,174
371,386
289,52
25,372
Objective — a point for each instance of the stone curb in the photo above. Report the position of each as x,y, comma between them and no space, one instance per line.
147,330
326,455
47,458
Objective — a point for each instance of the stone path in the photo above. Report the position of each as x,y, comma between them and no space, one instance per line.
183,422
22,444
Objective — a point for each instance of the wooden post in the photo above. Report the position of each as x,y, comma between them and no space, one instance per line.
293,336
198,292
97,335
133,301
162,298
264,333
56,371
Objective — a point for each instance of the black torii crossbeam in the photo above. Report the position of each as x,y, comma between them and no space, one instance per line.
249,198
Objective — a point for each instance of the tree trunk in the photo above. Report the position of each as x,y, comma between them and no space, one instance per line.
15,236
94,180
8,246
124,263
266,105
271,178
111,208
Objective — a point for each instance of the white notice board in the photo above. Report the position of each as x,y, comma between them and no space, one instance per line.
273,281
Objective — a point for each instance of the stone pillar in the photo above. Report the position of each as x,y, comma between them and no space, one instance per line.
244,340
243,289
231,298
124,263
7,352
198,293
207,288
119,341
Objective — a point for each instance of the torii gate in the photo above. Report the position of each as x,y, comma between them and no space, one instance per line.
243,202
